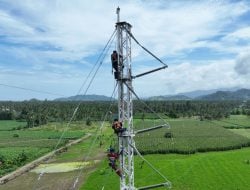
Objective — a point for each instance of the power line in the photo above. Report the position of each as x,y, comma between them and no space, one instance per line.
108,45
98,59
32,90
94,140
156,114
103,55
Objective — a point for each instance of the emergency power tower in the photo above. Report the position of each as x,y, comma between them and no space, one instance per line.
125,107
124,78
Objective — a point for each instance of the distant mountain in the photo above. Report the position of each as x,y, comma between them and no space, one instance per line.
199,93
174,97
241,94
92,97
230,94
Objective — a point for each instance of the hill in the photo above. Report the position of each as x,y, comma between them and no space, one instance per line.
230,94
92,97
241,94
199,93
169,97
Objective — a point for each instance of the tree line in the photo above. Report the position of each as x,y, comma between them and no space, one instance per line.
37,113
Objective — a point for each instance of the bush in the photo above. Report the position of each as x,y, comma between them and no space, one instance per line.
168,135
21,158
15,135
2,160
88,122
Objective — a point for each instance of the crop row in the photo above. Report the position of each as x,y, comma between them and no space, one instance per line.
189,136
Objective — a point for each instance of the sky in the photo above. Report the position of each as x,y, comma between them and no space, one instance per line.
52,45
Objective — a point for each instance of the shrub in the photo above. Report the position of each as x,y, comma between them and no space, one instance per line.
168,135
15,135
88,122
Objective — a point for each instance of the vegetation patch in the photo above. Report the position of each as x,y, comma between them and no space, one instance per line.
243,132
213,170
18,147
62,167
189,136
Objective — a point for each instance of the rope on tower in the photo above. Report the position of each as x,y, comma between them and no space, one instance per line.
167,183
156,114
100,61
97,61
90,149
132,36
94,141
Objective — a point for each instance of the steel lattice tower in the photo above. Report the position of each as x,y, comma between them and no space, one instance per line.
125,107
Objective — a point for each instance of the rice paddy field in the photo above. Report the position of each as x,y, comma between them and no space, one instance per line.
20,145
192,154
227,170
187,136
198,155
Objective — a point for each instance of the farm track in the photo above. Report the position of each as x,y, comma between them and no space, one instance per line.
36,162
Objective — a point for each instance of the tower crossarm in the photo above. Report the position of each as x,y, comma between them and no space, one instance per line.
150,129
149,72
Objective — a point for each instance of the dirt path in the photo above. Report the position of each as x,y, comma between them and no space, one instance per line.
36,162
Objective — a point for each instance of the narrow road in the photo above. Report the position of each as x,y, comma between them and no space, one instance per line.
36,162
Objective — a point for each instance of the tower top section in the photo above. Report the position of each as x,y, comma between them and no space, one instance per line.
118,14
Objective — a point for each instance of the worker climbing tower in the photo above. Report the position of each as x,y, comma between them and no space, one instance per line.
123,125
125,107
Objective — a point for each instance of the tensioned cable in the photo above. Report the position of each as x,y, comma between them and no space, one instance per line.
79,91
146,104
56,94
76,181
157,171
76,109
32,90
132,36
94,140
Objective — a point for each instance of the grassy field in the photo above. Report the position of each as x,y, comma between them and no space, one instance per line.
227,170
186,171
7,125
84,151
20,146
235,122
243,132
214,170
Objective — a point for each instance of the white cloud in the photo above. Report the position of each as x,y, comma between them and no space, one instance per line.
81,27
242,66
242,33
188,77
76,30
180,26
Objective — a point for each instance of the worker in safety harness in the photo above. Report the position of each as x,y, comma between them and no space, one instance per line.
115,66
117,126
113,156
114,60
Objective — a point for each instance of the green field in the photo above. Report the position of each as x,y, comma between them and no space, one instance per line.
7,125
21,146
235,122
189,136
243,132
215,170
196,166
227,170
